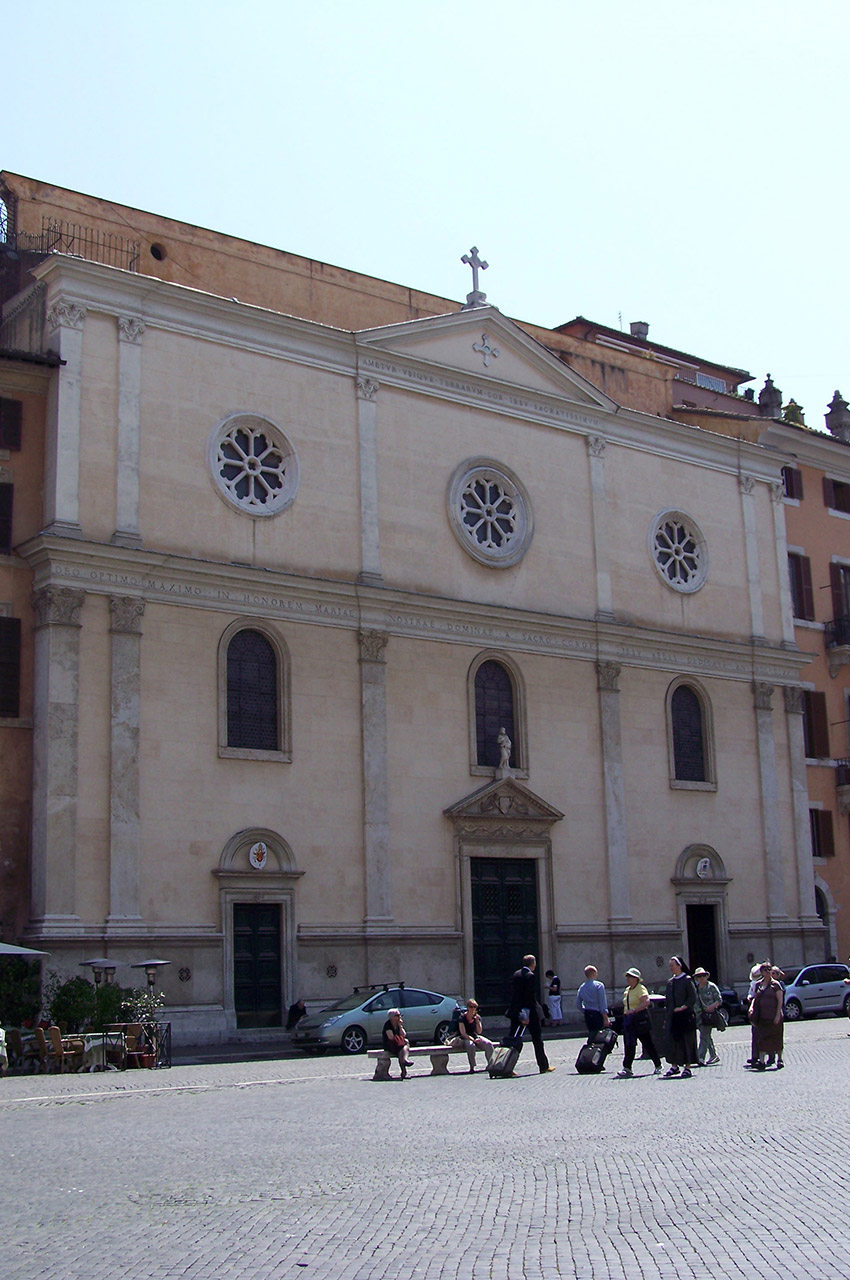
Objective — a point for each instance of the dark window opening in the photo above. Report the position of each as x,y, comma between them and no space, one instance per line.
823,841
494,711
10,667
252,716
836,495
6,499
792,480
688,736
11,417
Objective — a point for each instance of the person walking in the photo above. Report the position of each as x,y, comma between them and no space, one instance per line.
636,1025
681,997
766,1017
469,1035
708,1002
554,997
755,977
522,1010
593,1002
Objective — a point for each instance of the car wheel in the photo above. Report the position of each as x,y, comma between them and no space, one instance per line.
353,1040
847,1005
793,1010
441,1035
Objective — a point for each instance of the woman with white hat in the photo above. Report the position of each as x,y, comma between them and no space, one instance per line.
636,1024
708,1002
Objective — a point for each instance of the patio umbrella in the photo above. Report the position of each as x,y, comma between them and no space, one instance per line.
7,949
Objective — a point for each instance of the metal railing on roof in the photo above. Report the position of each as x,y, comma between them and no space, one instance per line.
74,238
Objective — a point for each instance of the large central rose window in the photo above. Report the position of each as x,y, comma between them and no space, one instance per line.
489,512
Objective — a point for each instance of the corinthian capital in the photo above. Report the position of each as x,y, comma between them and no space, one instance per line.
793,700
762,695
130,329
65,315
367,388
608,675
372,646
58,606
126,614
595,446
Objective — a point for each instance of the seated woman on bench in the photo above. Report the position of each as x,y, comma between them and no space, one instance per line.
469,1035
395,1040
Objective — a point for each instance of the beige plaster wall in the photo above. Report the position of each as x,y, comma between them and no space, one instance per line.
193,802
188,387
420,444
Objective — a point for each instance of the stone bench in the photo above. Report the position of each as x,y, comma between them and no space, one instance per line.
438,1053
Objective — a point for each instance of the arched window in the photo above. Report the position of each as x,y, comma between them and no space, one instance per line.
494,711
253,694
689,730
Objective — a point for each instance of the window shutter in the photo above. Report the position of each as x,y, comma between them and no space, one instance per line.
793,482
6,494
808,595
11,416
820,726
828,492
827,839
10,667
836,585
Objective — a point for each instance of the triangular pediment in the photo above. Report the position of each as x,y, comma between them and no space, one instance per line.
491,348
504,800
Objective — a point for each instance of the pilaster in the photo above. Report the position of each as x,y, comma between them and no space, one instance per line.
608,675
130,330
367,430
777,500
55,757
64,323
769,789
800,801
373,689
599,508
747,486
124,825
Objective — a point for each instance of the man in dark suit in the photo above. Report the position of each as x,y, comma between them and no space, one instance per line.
522,1009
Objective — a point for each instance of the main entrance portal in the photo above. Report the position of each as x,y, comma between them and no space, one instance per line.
504,924
256,964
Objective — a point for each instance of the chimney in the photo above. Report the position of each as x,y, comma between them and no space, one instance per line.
770,400
639,329
838,418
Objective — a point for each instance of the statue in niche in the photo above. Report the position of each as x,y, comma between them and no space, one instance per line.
505,746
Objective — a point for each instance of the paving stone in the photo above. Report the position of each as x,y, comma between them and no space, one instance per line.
309,1168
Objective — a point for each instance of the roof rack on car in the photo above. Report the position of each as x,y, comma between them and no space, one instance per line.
377,986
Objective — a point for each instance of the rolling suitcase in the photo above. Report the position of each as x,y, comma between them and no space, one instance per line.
606,1039
591,1059
504,1059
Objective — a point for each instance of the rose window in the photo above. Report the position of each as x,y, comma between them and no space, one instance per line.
679,551
489,512
254,465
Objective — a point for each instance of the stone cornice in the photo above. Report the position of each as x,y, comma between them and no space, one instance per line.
104,569
75,282
809,448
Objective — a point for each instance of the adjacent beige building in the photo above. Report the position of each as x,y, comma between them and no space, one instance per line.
290,584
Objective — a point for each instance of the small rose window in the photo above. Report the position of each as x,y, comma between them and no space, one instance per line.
253,465
679,551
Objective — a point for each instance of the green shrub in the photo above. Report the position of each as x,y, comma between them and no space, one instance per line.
72,1003
20,990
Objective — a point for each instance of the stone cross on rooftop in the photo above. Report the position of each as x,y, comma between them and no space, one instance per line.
476,298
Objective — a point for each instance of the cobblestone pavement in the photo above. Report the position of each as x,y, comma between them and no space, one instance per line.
309,1168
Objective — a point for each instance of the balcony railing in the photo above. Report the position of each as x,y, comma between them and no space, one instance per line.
842,773
57,236
837,633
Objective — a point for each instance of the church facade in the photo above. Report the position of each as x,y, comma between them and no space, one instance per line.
295,583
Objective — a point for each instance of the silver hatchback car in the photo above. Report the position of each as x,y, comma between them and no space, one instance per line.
358,1020
817,988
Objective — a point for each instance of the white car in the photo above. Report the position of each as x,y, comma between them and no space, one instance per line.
358,1020
817,988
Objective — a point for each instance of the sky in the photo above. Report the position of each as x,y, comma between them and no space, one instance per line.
679,163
